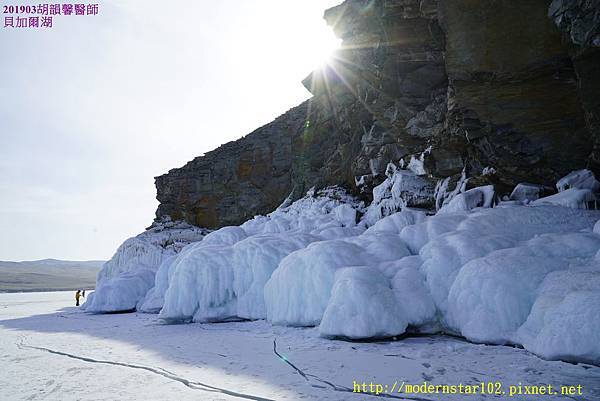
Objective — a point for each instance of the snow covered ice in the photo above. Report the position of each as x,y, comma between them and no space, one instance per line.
490,271
50,349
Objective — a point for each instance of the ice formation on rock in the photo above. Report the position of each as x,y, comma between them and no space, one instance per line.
580,179
223,277
576,198
505,272
126,278
401,188
526,192
577,190
442,192
471,199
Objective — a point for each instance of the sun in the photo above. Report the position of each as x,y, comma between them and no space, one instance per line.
295,34
325,49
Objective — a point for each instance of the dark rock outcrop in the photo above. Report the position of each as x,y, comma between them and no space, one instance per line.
235,181
513,99
438,87
579,20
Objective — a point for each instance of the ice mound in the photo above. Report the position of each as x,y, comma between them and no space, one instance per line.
224,276
126,278
225,236
255,259
299,290
153,302
200,286
563,323
451,241
445,255
362,305
122,293
493,295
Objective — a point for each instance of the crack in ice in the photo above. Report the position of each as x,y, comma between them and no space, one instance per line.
159,371
335,387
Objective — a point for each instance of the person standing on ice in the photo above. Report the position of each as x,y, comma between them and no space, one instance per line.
83,294
77,295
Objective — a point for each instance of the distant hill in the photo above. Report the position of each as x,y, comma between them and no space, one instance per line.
48,275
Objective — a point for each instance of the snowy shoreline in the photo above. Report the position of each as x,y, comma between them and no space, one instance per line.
124,356
524,271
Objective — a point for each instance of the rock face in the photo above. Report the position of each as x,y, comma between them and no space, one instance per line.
579,20
513,98
496,90
236,181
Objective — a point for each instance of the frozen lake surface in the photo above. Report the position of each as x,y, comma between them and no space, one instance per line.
51,350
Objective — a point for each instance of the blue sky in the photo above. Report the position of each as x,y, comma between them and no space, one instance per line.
95,107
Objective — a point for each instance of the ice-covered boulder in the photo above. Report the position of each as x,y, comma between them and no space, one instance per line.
577,190
401,189
526,192
579,179
471,199
362,305
126,278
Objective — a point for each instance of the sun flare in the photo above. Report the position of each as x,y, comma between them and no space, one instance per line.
325,49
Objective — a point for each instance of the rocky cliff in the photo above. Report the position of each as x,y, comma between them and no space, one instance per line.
500,91
236,181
